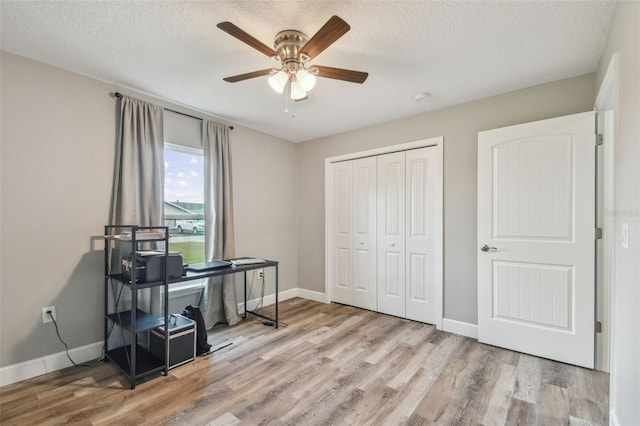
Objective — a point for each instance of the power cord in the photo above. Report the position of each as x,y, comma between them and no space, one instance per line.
259,308
55,323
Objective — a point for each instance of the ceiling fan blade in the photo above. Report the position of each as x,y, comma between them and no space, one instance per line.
341,74
241,77
335,28
247,38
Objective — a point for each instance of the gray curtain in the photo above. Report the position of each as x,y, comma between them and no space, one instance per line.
222,303
139,174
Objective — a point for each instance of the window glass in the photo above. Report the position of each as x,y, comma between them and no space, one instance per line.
184,201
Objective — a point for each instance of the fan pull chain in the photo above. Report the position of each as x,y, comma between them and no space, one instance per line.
287,97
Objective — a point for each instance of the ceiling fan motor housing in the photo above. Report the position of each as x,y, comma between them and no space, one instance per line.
288,44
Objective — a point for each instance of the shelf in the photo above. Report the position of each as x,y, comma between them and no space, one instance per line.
142,236
144,321
121,278
146,362
126,242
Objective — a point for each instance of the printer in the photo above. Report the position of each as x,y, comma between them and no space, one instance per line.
150,266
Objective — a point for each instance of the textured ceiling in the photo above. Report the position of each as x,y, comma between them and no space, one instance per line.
456,51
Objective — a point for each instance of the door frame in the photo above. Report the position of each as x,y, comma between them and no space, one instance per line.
606,103
438,143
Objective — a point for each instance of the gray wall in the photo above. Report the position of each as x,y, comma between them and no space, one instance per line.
57,154
624,38
460,126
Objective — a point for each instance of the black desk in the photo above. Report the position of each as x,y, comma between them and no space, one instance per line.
190,275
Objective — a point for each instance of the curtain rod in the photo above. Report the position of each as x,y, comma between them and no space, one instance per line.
119,95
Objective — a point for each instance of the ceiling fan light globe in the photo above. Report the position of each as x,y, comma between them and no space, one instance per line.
306,79
297,92
278,81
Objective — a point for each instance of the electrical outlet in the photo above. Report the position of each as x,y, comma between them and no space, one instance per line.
45,314
260,274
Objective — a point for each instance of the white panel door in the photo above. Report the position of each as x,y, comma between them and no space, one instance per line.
341,238
391,232
536,215
421,235
364,233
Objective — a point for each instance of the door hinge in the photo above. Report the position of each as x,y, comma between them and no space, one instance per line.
599,139
598,233
598,327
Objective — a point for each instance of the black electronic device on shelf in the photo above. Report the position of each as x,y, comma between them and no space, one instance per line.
149,265
127,322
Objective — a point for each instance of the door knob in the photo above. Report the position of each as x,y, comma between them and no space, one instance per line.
487,248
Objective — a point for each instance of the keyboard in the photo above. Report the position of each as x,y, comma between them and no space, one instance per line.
208,266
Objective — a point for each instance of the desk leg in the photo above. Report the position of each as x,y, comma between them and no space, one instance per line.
276,296
245,295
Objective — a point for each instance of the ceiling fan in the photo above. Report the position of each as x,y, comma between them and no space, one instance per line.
293,49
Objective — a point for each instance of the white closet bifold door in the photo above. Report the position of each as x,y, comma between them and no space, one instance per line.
421,237
364,233
341,235
391,232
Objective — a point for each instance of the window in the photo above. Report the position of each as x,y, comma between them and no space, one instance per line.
184,201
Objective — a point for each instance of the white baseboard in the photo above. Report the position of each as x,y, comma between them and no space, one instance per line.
284,295
312,295
269,299
459,327
49,363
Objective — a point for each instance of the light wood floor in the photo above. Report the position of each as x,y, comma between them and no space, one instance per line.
333,364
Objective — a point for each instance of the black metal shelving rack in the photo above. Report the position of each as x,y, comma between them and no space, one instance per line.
133,358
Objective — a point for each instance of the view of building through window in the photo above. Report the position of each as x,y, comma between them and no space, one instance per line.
184,201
